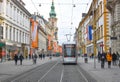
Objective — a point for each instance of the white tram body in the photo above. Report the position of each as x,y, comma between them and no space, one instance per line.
69,53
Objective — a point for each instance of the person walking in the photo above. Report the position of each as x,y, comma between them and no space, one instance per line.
16,58
114,58
34,57
99,55
21,58
109,59
103,57
86,58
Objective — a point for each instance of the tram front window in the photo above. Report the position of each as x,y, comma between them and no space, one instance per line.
69,52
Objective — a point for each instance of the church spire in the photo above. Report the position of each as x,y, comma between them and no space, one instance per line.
52,12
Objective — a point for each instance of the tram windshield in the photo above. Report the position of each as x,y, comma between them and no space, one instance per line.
69,50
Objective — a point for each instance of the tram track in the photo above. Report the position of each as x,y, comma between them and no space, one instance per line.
28,75
54,71
86,75
47,72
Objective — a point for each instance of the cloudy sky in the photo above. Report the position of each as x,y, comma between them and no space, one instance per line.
69,14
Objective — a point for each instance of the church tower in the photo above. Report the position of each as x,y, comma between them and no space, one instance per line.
54,29
53,21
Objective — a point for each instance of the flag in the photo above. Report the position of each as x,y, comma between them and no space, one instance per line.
89,32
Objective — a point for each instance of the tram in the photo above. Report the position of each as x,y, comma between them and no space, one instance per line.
69,53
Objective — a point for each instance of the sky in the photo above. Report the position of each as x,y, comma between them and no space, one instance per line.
68,16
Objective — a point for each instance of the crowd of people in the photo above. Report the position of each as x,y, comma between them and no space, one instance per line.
109,57
33,56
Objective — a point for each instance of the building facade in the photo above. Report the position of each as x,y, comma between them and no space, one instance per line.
114,8
16,27
93,31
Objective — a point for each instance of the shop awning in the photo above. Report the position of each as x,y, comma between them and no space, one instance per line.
2,44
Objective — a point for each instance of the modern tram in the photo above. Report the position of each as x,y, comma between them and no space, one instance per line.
69,53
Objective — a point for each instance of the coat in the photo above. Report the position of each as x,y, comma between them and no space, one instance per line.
15,57
21,57
109,57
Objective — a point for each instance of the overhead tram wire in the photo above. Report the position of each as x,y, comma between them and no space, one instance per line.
34,5
40,4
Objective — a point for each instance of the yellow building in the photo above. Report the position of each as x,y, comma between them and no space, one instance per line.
98,18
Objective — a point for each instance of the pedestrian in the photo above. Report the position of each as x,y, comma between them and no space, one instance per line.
29,56
109,59
85,58
117,57
21,58
99,55
16,58
103,58
50,56
114,58
34,57
43,55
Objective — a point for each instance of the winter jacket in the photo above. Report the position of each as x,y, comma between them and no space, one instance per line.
109,57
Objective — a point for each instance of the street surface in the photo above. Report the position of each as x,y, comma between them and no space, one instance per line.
53,71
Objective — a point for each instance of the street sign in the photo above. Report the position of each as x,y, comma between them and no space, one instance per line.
113,38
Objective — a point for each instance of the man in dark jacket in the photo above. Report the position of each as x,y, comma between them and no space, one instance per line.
114,58
16,59
21,58
103,57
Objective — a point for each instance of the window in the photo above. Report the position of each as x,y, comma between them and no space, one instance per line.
0,7
10,33
7,8
20,37
16,35
1,32
10,10
13,34
14,16
6,31
20,17
17,15
23,19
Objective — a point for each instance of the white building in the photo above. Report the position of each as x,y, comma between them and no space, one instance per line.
16,26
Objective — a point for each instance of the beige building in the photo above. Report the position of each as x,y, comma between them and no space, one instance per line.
114,8
97,18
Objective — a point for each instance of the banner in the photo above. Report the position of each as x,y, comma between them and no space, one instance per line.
90,32
34,34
